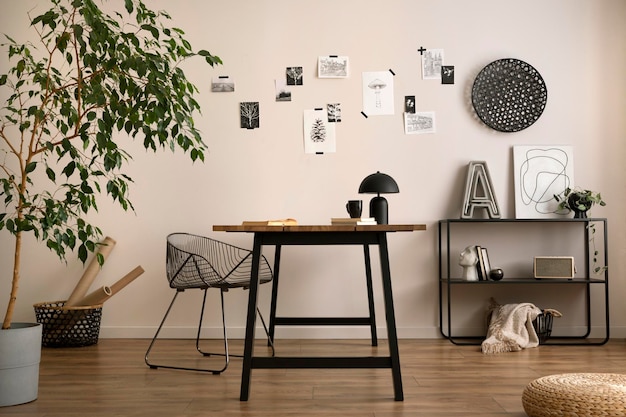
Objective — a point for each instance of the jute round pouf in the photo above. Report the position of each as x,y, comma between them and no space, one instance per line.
583,394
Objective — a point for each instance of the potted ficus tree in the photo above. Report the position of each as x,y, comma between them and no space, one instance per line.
89,82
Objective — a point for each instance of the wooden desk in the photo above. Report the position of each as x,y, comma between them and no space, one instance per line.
320,235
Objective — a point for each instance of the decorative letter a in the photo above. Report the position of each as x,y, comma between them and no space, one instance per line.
479,191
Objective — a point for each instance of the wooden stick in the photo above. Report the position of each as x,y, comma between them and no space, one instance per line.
90,273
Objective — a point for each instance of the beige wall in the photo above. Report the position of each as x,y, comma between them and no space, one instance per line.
578,46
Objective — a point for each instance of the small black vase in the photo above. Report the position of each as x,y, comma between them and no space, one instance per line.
574,202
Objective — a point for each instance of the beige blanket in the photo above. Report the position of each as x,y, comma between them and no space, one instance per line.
511,328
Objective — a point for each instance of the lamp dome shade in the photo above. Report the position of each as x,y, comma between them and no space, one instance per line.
378,183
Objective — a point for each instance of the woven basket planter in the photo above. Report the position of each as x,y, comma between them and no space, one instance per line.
68,326
543,326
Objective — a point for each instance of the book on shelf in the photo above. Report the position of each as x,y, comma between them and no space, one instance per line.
279,222
482,266
339,221
486,263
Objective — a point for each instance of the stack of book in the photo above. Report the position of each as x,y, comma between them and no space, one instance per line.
344,221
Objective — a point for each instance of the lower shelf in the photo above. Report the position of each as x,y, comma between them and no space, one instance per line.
580,338
552,341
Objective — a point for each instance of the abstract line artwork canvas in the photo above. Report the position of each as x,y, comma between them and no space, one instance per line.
540,173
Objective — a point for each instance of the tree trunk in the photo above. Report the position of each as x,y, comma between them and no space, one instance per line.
8,317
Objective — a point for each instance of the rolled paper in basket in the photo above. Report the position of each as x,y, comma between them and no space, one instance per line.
103,294
96,297
126,279
90,274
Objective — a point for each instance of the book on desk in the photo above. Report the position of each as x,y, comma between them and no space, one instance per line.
359,221
280,222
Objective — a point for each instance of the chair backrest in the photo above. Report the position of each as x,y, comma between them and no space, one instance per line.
194,261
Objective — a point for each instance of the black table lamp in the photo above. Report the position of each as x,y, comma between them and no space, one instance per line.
378,183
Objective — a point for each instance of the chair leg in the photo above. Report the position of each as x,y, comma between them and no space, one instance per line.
226,352
155,365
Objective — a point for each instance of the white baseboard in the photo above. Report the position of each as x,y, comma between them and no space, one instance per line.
315,332
291,332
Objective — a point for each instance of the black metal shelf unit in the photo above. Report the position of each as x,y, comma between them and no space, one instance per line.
448,282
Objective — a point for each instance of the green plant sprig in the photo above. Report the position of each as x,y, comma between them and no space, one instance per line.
583,199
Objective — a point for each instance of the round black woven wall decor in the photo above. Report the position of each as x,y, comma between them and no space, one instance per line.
509,95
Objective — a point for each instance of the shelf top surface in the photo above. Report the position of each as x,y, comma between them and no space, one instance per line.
539,220
530,280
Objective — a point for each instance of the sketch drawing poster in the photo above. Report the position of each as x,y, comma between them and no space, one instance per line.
332,66
420,122
319,134
378,93
432,61
540,173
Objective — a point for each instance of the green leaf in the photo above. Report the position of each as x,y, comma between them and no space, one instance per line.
100,258
69,169
85,188
82,253
24,126
154,31
51,244
51,174
30,167
62,41
20,67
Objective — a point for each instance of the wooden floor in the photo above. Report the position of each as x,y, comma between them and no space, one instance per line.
440,379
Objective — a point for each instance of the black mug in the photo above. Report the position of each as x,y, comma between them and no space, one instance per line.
354,207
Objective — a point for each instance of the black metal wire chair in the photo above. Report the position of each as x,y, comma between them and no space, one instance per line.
198,262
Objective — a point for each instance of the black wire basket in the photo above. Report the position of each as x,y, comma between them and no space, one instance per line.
509,95
74,326
543,326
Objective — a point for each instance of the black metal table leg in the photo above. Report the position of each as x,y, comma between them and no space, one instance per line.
272,325
251,320
390,316
370,294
